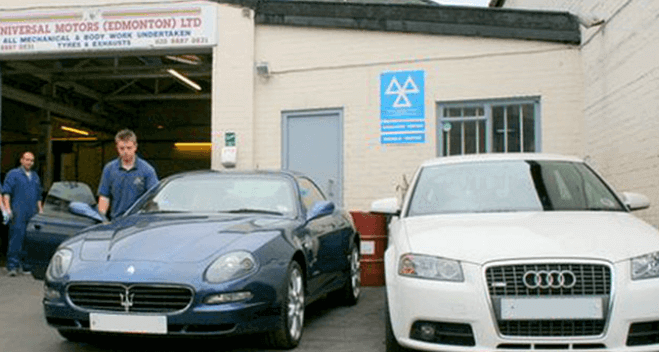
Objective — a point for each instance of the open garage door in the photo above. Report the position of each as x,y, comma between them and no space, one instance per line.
73,76
62,108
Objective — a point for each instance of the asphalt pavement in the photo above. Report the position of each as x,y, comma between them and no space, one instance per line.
328,327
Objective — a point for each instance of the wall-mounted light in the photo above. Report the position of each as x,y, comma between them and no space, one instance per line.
74,130
184,79
263,69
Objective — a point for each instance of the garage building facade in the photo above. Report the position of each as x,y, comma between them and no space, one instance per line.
356,94
621,89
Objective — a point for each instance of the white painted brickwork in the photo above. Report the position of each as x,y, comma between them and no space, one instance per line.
233,84
325,68
621,68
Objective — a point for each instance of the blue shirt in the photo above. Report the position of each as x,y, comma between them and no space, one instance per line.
24,193
123,187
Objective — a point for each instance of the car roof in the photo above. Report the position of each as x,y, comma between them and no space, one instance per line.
499,157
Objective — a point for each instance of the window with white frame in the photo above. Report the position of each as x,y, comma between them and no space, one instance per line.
496,126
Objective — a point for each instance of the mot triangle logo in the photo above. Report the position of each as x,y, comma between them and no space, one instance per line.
395,88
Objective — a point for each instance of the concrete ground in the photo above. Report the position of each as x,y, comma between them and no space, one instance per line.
328,327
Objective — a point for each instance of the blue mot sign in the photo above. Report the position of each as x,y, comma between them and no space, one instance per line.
402,107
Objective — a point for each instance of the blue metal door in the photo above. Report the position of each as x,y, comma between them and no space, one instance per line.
313,145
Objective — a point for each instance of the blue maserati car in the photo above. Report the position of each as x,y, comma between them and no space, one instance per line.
206,253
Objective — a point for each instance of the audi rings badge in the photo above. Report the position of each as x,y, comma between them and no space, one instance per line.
544,279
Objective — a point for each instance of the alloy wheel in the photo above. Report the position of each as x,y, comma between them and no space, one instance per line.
295,304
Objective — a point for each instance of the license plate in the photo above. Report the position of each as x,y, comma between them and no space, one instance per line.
138,324
551,308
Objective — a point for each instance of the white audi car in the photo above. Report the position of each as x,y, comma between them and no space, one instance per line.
518,252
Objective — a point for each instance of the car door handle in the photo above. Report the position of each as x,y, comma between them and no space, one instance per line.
37,227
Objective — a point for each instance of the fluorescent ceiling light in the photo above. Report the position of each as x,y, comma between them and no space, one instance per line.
193,144
75,130
186,59
75,139
184,79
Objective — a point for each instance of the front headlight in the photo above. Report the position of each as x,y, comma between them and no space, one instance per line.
59,264
231,266
427,267
645,266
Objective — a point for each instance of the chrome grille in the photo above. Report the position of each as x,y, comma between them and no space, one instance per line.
537,328
592,279
506,281
133,298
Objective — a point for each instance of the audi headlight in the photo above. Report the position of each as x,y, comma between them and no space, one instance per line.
59,264
231,266
645,266
427,267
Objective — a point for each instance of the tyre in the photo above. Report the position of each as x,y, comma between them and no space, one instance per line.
391,344
289,333
349,294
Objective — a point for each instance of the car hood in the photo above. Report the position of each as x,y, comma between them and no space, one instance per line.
177,239
481,238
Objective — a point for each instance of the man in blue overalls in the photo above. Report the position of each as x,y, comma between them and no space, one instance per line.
22,200
124,179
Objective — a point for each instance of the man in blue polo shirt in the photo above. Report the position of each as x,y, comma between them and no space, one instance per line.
124,179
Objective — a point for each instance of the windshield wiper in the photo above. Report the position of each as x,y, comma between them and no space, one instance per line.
248,210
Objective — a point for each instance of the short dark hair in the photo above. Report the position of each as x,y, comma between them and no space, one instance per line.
125,135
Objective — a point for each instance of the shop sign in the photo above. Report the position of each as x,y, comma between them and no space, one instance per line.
182,25
402,108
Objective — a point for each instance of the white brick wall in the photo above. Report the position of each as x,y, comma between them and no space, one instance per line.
621,69
325,68
232,107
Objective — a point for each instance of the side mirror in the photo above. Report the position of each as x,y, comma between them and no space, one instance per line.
635,201
84,209
388,206
320,209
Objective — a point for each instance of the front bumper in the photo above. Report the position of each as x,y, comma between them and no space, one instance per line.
227,319
465,313
260,313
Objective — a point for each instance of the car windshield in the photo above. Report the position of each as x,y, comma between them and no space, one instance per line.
508,186
223,194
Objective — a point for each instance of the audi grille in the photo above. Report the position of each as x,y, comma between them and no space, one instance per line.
553,280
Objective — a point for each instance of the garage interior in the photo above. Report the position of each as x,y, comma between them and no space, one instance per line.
67,110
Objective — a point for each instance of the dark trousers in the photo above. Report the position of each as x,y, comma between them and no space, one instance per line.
15,254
